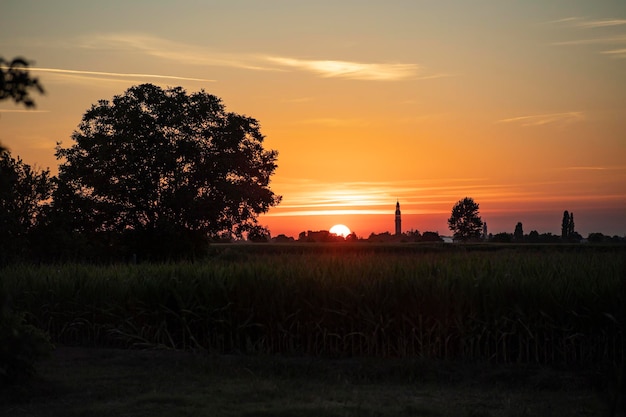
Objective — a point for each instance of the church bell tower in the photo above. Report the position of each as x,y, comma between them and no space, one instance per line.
398,219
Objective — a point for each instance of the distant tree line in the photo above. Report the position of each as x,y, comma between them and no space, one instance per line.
410,236
536,237
568,235
466,224
324,236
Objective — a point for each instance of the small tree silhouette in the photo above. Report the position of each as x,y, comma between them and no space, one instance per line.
465,221
518,235
568,230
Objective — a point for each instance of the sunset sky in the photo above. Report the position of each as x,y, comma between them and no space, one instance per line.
520,105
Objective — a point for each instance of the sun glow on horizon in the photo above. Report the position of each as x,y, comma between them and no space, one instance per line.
340,230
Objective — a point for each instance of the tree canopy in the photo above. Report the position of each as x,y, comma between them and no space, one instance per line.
161,160
24,192
465,221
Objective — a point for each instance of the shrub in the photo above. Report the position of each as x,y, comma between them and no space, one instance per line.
21,345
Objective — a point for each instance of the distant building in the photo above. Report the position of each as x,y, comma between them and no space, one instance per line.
398,219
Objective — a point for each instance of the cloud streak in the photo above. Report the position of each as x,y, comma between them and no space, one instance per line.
596,41
616,53
437,196
195,55
582,22
117,74
595,168
544,119
304,197
352,70
600,23
596,24
169,50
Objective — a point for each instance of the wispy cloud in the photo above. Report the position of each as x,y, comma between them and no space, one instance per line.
596,168
319,198
594,41
308,197
607,24
170,50
544,119
600,23
197,55
616,53
582,22
563,20
353,70
117,74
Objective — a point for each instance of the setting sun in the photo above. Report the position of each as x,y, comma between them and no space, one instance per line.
340,230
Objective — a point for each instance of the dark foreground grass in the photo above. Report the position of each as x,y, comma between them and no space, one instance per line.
108,382
551,305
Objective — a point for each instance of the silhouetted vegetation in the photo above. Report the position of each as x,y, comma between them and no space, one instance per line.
160,173
16,83
502,237
21,344
601,238
430,237
259,234
24,194
555,306
282,238
518,234
568,230
465,221
319,236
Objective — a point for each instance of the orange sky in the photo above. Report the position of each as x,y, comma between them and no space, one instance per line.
521,106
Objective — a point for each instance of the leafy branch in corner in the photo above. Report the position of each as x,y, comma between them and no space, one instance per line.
16,82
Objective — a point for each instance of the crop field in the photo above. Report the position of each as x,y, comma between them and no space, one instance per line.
547,305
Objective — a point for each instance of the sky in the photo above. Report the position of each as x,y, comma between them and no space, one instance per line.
520,105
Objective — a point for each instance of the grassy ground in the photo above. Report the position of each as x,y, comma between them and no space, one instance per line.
107,382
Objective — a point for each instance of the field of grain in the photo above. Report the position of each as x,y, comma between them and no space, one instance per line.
549,305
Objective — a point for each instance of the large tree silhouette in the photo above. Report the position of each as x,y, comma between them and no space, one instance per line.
162,162
465,221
